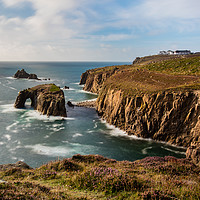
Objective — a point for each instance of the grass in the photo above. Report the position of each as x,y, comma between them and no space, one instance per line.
45,87
184,66
54,88
96,177
153,74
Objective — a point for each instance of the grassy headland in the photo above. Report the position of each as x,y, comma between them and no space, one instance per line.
96,177
154,73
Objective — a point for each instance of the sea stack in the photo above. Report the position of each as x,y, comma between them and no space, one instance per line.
23,74
48,99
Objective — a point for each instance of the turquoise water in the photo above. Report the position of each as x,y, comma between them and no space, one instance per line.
36,139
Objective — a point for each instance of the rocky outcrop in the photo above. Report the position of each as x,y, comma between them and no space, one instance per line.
18,165
164,116
173,117
170,115
93,81
47,99
23,74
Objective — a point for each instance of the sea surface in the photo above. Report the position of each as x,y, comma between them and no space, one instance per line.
28,136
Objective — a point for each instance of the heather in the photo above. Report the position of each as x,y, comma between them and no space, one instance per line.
97,177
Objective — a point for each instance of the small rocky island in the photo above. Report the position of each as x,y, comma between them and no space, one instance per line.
23,74
47,98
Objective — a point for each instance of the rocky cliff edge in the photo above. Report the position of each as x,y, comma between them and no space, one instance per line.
150,104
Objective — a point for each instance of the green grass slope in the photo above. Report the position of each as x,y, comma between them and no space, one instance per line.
157,73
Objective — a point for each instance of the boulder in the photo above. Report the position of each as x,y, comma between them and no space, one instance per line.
19,164
66,88
47,99
69,103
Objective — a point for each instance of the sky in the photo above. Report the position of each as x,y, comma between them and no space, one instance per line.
96,30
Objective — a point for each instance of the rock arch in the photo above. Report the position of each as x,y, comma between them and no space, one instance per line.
47,99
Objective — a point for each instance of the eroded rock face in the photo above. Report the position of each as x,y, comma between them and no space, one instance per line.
164,116
23,74
47,99
170,116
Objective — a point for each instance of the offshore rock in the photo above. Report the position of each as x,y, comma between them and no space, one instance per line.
23,74
47,99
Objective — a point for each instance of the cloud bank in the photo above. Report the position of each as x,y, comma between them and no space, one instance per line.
92,30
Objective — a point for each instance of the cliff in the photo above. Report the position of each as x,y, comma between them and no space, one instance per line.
151,104
47,99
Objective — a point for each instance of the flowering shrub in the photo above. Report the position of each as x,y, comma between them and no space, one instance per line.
105,179
47,175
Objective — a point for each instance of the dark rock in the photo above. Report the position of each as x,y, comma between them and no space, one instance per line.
18,164
193,153
69,103
66,88
47,99
23,74
87,104
32,76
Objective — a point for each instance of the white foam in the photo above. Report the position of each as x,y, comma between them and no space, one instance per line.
114,131
70,89
100,143
9,128
8,137
174,151
95,125
10,77
77,135
33,114
87,92
1,143
144,151
12,88
55,129
50,151
75,83
7,108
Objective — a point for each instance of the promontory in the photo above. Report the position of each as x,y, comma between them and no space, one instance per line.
156,97
48,99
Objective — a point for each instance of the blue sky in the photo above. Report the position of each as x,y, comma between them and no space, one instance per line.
91,30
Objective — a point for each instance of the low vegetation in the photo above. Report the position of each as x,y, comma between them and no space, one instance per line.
54,88
154,73
96,177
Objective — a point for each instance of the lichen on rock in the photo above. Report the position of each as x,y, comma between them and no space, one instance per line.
48,99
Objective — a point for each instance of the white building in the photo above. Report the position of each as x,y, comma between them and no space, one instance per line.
177,52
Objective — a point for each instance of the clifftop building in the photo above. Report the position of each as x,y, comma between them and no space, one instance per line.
177,52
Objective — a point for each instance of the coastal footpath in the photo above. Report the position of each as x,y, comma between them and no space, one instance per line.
156,97
48,99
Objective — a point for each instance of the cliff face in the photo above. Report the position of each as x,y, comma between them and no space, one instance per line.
172,116
164,116
47,99
93,82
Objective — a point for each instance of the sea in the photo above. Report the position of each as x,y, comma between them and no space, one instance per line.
28,136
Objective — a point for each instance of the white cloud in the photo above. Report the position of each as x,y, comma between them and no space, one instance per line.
63,29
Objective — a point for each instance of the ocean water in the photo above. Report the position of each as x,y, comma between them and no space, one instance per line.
36,139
